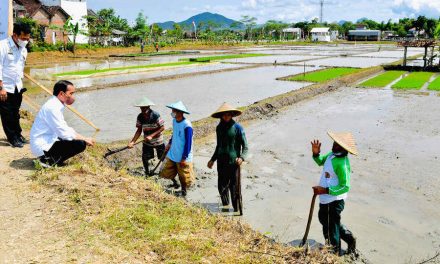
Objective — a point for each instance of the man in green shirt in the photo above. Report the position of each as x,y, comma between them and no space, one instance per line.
333,187
230,152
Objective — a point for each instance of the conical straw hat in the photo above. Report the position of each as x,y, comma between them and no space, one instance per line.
179,106
345,140
226,108
144,102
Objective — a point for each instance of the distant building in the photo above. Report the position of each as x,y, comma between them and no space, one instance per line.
50,19
364,35
321,34
77,10
292,33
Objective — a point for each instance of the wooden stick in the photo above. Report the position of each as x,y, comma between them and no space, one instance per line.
10,18
111,152
68,106
312,206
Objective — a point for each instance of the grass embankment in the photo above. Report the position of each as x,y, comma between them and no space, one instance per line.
224,57
383,79
413,81
149,54
90,72
435,85
323,75
118,218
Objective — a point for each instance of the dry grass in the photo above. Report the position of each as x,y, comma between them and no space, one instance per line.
119,218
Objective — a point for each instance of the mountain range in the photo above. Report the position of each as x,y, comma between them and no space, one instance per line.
220,21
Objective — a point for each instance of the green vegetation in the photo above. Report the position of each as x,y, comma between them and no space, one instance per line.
89,72
223,57
435,85
414,81
323,75
149,54
383,79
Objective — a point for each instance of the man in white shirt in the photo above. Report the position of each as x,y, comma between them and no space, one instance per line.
13,55
52,140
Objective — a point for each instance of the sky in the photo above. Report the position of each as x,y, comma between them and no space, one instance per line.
263,10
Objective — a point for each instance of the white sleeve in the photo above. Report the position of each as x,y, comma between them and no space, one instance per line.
58,125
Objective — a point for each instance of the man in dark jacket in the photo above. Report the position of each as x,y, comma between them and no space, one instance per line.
230,152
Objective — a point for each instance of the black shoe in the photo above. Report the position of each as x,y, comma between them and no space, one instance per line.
174,185
183,192
23,139
16,143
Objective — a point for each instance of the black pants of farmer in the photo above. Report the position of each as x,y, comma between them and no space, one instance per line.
10,115
330,218
63,150
227,182
148,153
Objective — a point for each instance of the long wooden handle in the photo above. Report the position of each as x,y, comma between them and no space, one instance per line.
69,107
309,221
111,152
160,161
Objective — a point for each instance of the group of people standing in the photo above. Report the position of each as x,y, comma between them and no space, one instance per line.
53,141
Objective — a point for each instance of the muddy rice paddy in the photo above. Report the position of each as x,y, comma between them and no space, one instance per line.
392,206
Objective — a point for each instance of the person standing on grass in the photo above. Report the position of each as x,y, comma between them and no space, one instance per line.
180,149
52,140
13,55
230,152
333,187
149,122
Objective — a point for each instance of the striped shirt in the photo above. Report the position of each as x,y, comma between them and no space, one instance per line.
149,125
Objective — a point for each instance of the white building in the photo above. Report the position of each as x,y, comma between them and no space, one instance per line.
77,9
321,34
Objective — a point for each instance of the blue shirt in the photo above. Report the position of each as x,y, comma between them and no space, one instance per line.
181,142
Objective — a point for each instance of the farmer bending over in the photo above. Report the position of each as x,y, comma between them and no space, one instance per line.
149,122
52,140
333,188
230,152
180,149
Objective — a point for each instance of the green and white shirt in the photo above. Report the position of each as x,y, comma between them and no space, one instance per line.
335,176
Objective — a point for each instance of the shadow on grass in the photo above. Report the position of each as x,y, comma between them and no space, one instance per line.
22,164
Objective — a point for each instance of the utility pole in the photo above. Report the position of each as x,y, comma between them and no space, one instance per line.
321,3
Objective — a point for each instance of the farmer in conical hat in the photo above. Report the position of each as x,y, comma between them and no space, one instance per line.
230,152
333,187
180,149
149,122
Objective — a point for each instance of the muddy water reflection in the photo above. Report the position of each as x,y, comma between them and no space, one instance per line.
112,109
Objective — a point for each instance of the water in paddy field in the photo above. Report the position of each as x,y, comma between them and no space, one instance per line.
112,109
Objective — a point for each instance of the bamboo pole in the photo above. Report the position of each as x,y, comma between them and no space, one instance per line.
68,106
11,19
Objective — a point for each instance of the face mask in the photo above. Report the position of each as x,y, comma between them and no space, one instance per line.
22,43
173,115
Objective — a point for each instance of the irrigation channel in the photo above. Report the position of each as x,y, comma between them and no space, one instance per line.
392,206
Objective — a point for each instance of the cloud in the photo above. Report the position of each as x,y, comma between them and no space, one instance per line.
414,8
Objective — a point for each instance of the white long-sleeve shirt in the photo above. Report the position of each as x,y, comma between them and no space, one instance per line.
49,126
12,61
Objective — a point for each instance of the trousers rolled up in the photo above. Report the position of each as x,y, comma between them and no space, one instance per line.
10,115
227,182
63,150
330,217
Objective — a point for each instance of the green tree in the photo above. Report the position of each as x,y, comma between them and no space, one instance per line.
250,23
141,28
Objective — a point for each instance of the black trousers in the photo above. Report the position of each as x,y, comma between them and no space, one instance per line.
330,217
63,150
10,115
148,153
227,182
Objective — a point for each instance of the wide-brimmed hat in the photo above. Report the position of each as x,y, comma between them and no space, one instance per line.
226,108
179,106
144,102
345,140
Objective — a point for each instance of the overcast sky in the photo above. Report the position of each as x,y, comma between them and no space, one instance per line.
285,10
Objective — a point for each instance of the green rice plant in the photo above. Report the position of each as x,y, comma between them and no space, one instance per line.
323,75
435,85
89,72
383,79
413,81
224,57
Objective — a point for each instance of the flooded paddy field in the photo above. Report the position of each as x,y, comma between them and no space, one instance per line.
392,207
112,109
